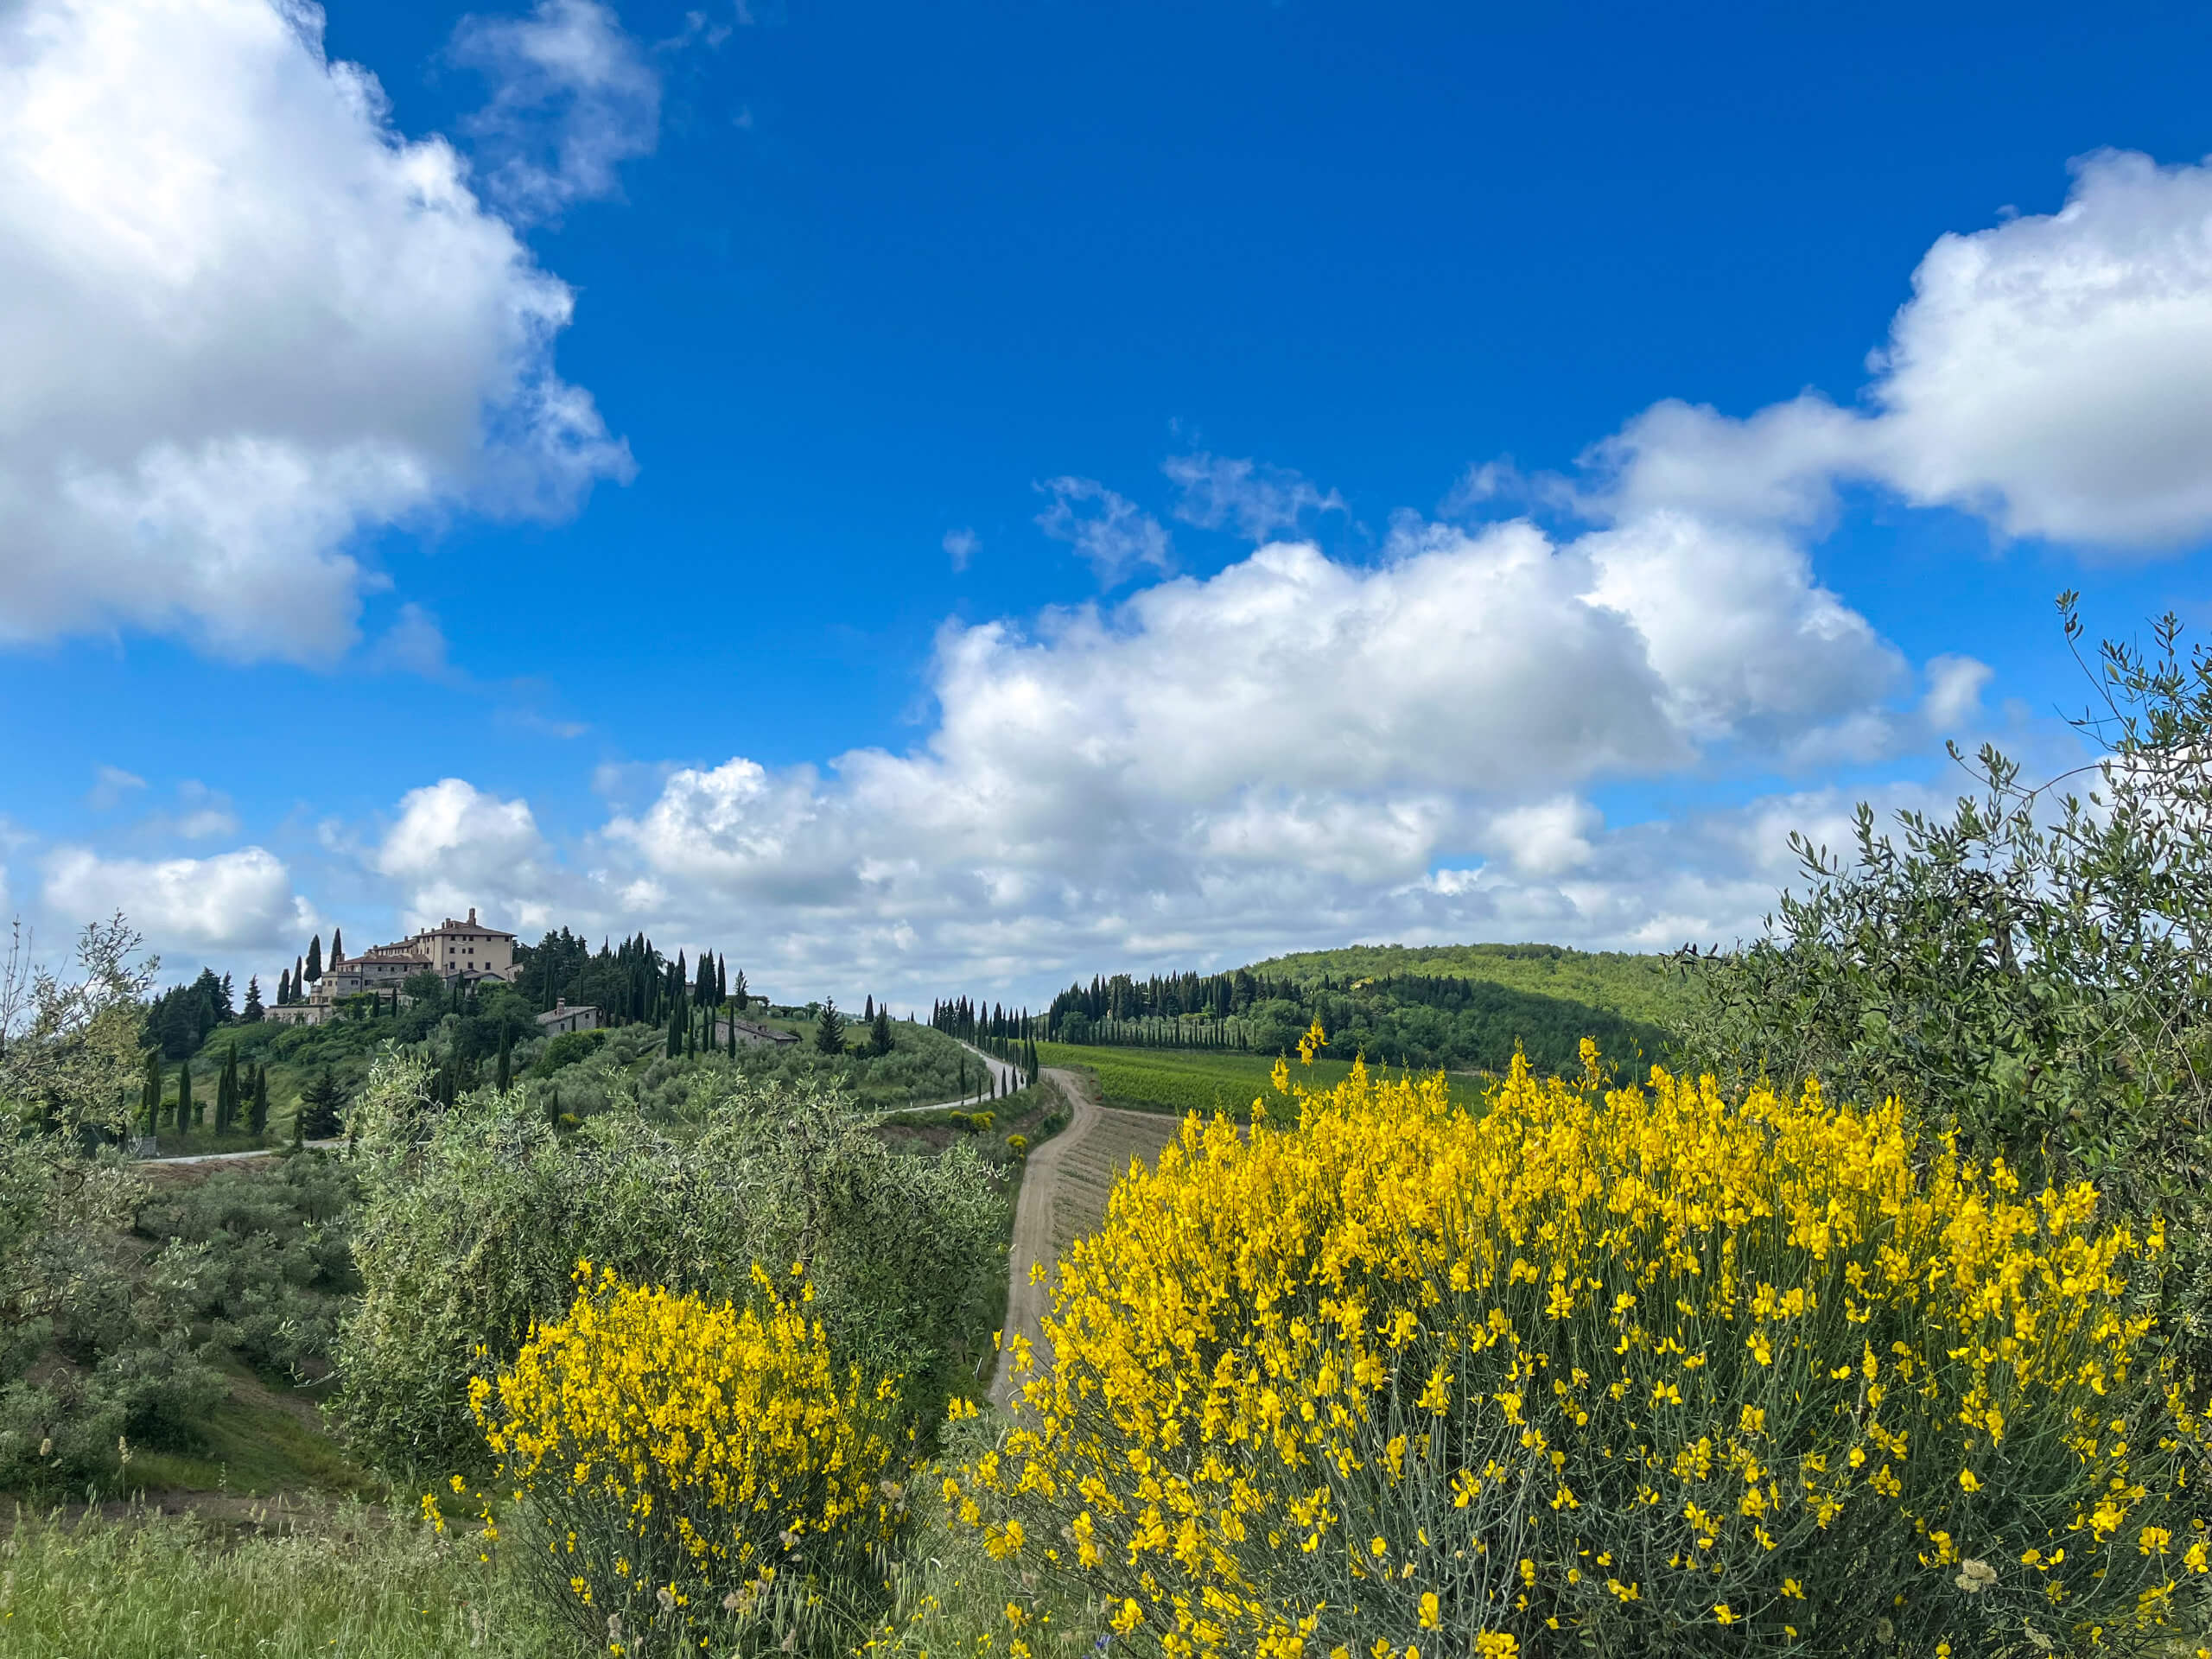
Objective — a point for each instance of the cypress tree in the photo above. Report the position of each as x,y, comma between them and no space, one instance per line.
184,1112
315,959
319,1107
226,1093
506,1058
299,980
721,981
675,1031
337,944
256,1118
149,1092
283,987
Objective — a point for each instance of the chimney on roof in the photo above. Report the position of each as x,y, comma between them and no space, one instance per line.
560,1005
472,915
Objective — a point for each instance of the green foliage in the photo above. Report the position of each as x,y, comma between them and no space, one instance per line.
830,1031
126,1314
477,1217
322,1105
90,1350
566,1049
1377,1007
345,1581
2030,972
1639,988
261,1260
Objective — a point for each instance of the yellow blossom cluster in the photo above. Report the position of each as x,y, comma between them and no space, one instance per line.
687,1464
1629,1369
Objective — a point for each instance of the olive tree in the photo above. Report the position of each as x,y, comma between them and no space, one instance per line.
2029,973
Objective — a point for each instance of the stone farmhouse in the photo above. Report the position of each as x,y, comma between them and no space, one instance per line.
562,1018
460,953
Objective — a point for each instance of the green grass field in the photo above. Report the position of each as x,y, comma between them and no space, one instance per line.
299,1582
1205,1081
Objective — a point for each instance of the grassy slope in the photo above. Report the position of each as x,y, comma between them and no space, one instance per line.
1639,987
262,1439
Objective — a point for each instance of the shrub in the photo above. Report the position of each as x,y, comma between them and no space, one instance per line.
476,1217
2027,970
1635,1371
263,1254
681,1458
1018,1145
566,1049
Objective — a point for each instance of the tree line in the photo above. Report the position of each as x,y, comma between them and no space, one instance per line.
1412,1019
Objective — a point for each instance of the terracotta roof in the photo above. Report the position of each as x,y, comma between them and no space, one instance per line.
449,925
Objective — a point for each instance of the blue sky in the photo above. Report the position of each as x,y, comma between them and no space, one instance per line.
789,478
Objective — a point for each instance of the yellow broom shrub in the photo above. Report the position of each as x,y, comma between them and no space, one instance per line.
1624,1370
689,1466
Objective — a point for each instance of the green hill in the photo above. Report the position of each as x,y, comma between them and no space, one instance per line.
1641,987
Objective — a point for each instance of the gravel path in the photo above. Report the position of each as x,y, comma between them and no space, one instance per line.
1026,1303
229,1157
1063,1194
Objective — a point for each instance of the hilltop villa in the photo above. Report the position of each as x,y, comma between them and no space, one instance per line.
460,953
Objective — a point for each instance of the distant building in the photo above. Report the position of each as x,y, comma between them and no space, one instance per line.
755,1036
469,947
460,953
564,1018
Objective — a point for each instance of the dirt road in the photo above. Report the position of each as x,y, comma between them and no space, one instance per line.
1064,1196
1033,1229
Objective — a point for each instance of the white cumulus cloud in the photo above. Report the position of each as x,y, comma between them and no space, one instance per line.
452,846
245,320
2055,372
240,901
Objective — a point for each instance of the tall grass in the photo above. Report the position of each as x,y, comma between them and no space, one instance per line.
348,1583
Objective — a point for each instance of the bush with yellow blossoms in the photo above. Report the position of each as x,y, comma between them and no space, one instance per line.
697,1477
1624,1371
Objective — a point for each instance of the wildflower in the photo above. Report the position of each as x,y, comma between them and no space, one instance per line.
1287,1346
